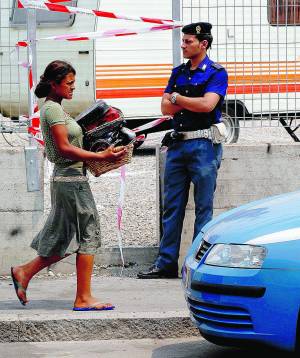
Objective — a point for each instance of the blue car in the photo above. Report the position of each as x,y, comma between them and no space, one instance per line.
241,275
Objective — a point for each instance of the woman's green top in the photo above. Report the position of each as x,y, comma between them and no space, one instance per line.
52,113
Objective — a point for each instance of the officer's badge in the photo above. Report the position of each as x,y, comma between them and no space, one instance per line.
198,29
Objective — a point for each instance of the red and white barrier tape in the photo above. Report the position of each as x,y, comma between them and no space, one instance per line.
102,34
34,120
120,211
50,6
152,124
34,127
55,1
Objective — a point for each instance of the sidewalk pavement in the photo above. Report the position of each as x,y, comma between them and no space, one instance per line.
144,309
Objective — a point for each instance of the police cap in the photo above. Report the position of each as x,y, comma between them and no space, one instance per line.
197,28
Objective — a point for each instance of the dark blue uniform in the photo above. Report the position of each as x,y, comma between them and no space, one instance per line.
194,160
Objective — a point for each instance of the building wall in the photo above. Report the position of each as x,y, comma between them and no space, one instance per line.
21,212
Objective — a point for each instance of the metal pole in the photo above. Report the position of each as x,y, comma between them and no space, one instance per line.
176,34
31,55
31,38
31,152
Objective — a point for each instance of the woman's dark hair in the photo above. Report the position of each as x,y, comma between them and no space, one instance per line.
56,71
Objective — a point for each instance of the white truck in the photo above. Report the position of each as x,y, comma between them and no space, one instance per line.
257,42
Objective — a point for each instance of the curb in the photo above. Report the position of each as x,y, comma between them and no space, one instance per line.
122,326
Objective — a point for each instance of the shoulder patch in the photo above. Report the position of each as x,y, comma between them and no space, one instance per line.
217,66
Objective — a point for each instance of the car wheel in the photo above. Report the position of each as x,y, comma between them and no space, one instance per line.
232,126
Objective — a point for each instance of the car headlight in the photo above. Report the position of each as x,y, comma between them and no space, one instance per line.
241,256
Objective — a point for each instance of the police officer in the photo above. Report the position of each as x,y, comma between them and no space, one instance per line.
194,97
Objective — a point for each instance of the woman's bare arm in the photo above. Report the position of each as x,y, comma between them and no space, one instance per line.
69,151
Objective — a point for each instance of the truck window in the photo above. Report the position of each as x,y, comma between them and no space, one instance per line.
284,12
44,18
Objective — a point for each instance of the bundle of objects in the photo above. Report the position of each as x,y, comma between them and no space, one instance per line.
105,126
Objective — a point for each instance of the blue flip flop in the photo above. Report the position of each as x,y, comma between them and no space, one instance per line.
94,308
17,286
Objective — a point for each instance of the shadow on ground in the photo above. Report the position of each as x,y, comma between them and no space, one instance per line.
204,349
49,305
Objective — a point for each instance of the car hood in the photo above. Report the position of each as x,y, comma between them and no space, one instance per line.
260,222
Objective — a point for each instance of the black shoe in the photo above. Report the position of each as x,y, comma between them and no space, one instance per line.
156,272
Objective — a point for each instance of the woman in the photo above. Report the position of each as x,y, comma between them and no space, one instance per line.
73,223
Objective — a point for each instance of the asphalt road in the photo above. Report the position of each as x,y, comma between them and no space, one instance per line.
143,348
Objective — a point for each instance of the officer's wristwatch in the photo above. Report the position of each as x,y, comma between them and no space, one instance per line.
173,97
